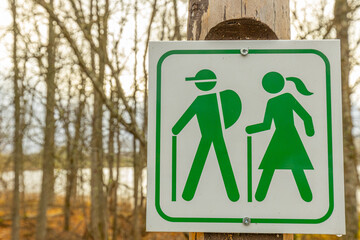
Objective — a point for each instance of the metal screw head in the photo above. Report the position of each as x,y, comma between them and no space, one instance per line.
246,221
244,51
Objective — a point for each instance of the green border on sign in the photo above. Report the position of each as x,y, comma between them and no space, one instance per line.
240,220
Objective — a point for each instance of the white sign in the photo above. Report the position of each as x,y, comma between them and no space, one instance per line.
245,136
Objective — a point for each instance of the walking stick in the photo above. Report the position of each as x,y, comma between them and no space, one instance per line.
173,169
249,168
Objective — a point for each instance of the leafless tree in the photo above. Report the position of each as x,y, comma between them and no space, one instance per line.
65,46
48,165
342,24
317,23
18,138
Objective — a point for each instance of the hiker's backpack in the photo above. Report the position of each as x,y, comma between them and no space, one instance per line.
231,107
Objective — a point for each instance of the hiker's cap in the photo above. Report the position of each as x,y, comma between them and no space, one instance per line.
204,74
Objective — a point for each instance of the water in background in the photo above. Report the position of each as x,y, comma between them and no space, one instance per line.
33,178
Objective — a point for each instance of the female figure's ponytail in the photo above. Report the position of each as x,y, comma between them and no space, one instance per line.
300,86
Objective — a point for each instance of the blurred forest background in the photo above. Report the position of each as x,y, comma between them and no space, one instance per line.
73,107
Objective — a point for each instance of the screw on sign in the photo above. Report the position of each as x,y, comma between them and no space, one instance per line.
244,51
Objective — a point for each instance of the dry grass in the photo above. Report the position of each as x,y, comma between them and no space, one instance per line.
79,221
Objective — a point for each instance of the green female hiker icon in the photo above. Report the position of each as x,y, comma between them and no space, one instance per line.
206,109
285,150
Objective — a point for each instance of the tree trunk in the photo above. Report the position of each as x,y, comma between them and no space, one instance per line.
116,185
73,156
177,34
136,159
341,21
207,21
69,162
18,137
69,182
98,220
111,159
47,186
98,199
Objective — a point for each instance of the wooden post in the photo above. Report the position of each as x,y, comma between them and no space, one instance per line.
239,236
206,14
238,20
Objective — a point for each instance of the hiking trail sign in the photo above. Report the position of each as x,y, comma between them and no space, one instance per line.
245,136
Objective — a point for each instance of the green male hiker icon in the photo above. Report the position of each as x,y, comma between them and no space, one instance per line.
285,150
206,109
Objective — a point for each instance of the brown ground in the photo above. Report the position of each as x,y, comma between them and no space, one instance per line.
79,221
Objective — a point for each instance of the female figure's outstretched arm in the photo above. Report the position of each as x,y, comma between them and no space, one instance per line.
265,125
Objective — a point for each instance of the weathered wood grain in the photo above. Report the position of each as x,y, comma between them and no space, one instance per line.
206,14
233,20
